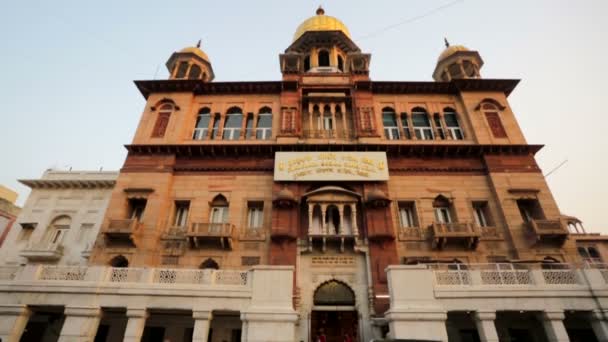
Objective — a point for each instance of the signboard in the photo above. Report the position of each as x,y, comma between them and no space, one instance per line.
330,166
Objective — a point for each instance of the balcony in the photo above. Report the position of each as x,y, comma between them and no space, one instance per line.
326,134
549,230
201,235
444,233
42,251
173,241
283,234
335,241
121,232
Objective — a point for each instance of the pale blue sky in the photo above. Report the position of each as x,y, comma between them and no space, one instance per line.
68,67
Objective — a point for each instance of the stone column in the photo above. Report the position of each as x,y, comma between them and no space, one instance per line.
310,117
341,230
484,320
553,322
13,319
311,208
80,324
353,210
135,324
323,214
202,323
332,110
344,126
599,324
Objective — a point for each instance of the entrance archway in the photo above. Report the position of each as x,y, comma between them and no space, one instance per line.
334,313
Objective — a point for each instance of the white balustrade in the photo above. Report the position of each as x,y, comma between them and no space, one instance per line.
62,273
8,272
507,274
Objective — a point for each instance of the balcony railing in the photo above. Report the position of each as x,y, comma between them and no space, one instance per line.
116,275
505,274
200,233
549,230
121,231
325,240
455,231
326,134
43,251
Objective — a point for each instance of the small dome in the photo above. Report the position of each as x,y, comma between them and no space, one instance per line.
320,22
377,195
285,195
450,50
197,51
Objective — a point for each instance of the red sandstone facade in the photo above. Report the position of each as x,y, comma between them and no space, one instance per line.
198,186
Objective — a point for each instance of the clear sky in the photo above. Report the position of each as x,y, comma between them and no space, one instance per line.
69,101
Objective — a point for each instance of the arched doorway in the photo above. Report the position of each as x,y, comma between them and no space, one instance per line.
119,261
334,313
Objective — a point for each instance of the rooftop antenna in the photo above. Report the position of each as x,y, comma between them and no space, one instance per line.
447,44
556,168
198,44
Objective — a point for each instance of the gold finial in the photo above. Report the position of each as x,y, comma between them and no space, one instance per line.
447,44
320,10
198,45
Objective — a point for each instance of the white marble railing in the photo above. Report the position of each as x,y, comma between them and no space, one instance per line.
506,274
102,274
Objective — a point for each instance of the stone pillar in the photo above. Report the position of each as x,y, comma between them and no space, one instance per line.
341,212
553,322
484,321
310,117
80,324
332,110
311,208
599,324
344,126
135,324
13,319
353,210
323,214
202,323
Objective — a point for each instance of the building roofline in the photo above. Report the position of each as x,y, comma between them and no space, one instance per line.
198,87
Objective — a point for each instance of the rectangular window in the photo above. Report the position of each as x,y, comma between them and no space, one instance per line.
530,209
255,215
136,208
407,215
442,215
219,214
482,214
422,126
181,213
86,231
451,121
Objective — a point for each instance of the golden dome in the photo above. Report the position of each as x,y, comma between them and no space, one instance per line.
450,50
195,50
320,22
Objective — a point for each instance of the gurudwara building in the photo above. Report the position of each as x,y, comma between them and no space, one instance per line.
322,206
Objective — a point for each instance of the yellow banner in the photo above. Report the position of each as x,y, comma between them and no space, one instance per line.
330,166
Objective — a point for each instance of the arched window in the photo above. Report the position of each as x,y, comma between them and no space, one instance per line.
216,126
348,221
406,126
389,119
439,127
195,72
233,124
340,63
317,218
58,228
249,126
119,261
490,111
443,209
209,264
201,130
162,121
181,70
306,63
334,293
264,124
422,124
219,213
469,69
332,220
328,123
452,124
323,58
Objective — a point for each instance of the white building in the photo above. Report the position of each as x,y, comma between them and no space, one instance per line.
60,219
